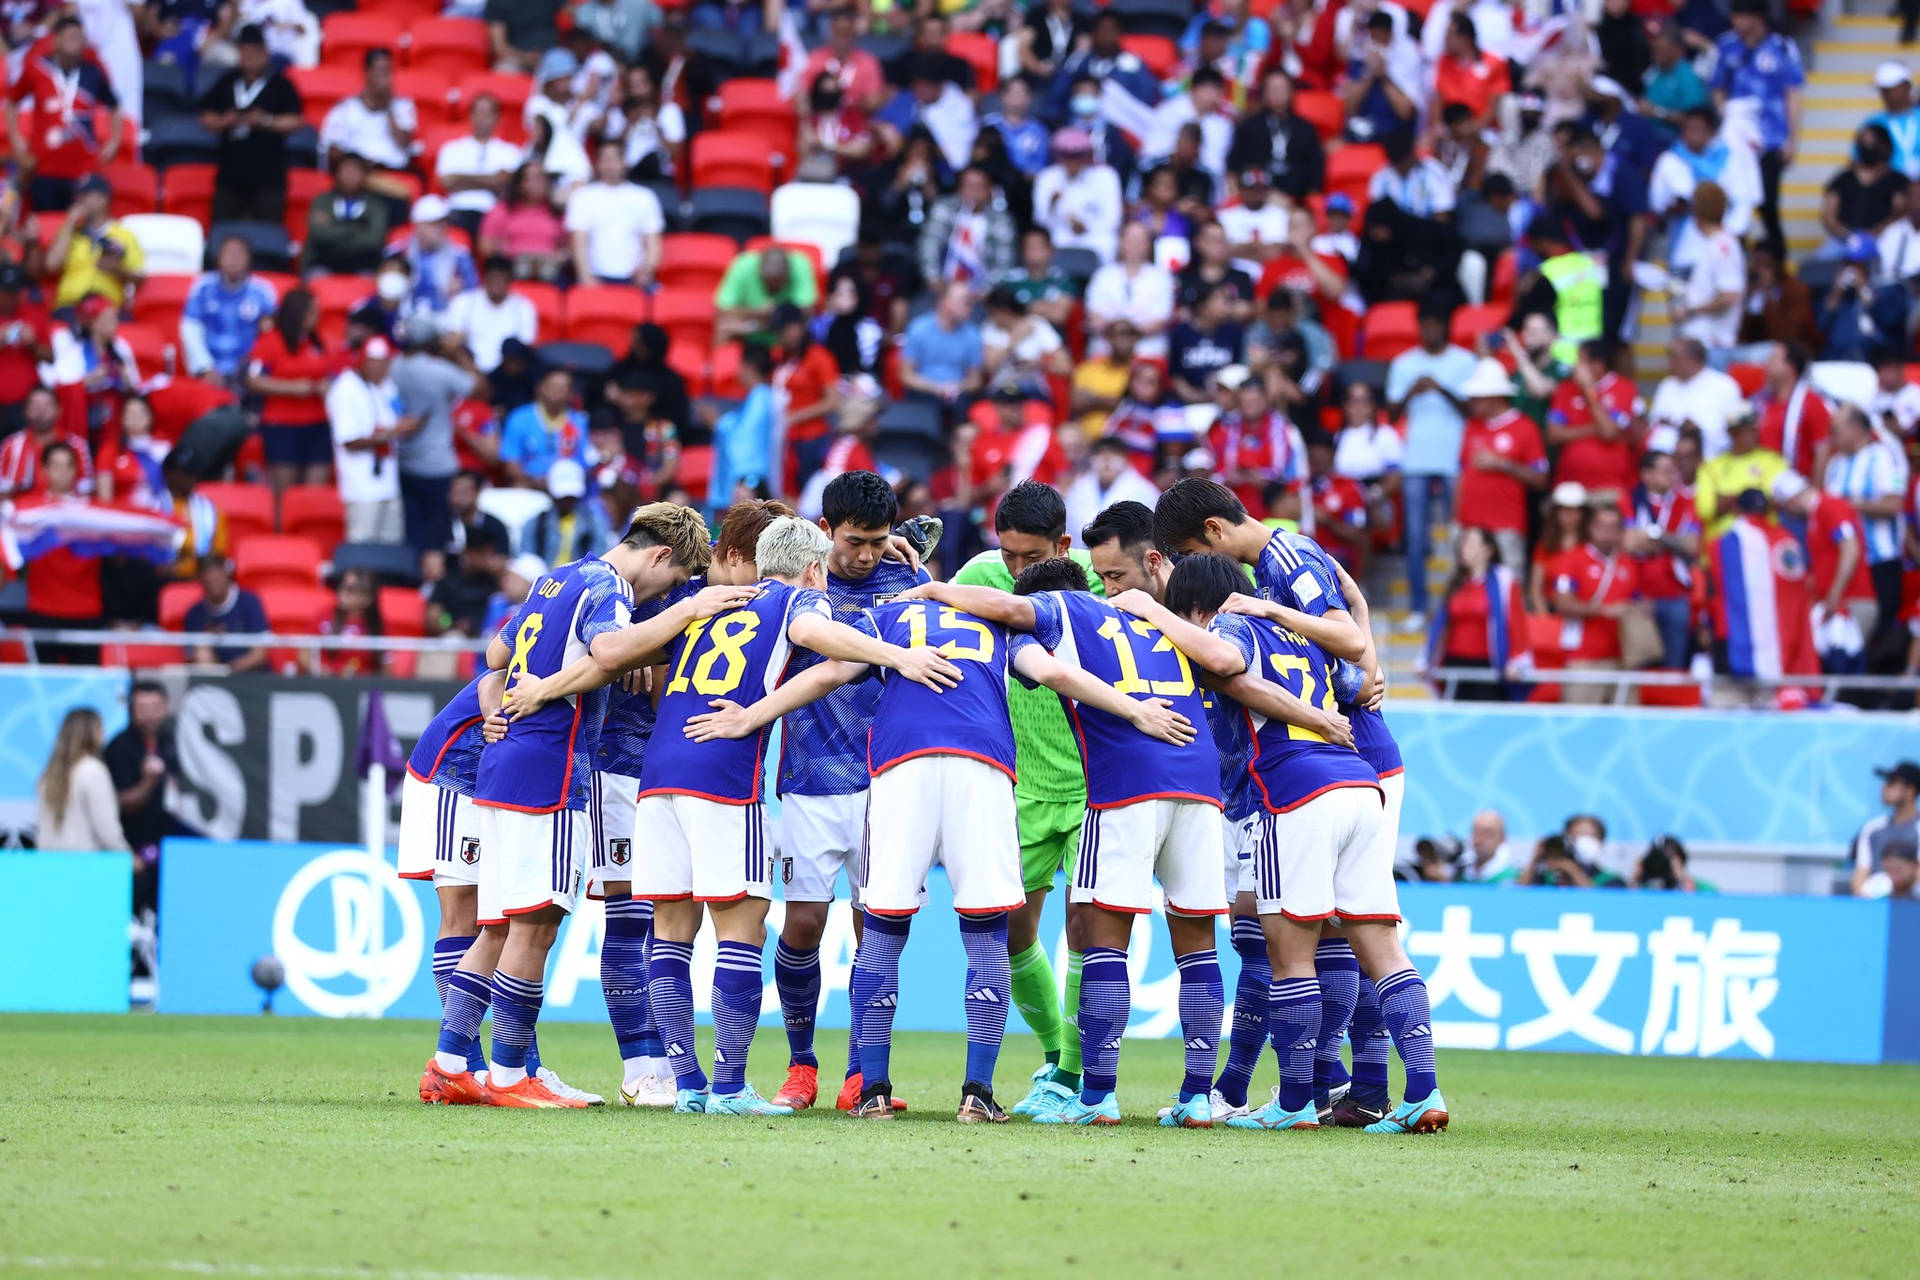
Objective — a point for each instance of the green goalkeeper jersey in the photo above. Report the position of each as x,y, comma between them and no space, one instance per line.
1046,754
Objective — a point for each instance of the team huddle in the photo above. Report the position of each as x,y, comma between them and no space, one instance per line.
1193,700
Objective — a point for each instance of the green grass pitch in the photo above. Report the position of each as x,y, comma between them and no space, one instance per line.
297,1148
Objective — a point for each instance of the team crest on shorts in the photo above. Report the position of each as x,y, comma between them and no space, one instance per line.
619,851
786,871
469,849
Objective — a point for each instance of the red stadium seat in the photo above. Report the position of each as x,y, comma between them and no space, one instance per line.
335,296
247,507
136,187
345,38
724,372
304,186
757,107
1470,322
158,300
276,558
178,597
1321,109
605,315
295,610
403,612
1343,326
696,470
812,252
1506,278
1160,54
549,308
457,46
981,52
687,317
1751,377
1669,695
510,90
695,259
432,91
689,360
152,345
314,511
189,192
733,160
321,87
1352,167
1388,329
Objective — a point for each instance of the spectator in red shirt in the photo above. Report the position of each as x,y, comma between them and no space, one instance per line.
356,613
1501,461
1837,578
1597,423
1664,542
1481,621
289,368
1296,266
26,339
63,588
20,453
1593,587
56,139
1254,444
810,377
1794,420
856,71
1339,507
1469,75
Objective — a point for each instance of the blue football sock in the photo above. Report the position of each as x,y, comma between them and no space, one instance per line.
737,983
989,992
796,976
1371,1045
1404,1008
447,954
1248,1039
516,1008
1106,1003
670,995
875,992
468,995
623,975
1293,1008
1339,974
1203,1005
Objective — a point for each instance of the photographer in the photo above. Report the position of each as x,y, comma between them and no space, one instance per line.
1857,317
1664,866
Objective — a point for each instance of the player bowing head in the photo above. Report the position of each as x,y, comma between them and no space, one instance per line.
1119,541
740,530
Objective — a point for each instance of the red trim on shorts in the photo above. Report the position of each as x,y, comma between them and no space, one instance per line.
1182,911
1131,911
662,897
1348,915
979,911
519,808
876,770
414,875
909,911
1307,919
732,897
1214,801
1394,773
1315,795
527,911
488,924
697,795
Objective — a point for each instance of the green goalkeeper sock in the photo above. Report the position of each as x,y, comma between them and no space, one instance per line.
1037,998
1068,1070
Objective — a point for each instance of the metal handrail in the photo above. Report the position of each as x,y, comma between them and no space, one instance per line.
1830,686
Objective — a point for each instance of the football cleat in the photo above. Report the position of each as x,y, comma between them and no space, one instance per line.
1195,1113
447,1088
1274,1116
875,1103
802,1088
647,1091
530,1093
853,1090
978,1107
561,1089
690,1102
1217,1104
1104,1112
747,1102
1353,1113
1035,1094
1429,1115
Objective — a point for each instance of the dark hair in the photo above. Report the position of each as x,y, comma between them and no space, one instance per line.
373,55
1799,357
1207,75
1183,511
1594,818
1496,185
1455,112
1597,349
1002,298
1061,573
1704,112
1201,584
65,21
1032,508
59,446
1379,18
1398,145
1463,24
759,359
859,498
1272,491
296,310
496,262
375,625
1753,9
139,687
1131,523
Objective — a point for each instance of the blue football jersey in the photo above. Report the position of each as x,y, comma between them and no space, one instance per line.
1123,765
969,719
543,763
447,752
1291,765
741,655
823,745
629,722
1233,739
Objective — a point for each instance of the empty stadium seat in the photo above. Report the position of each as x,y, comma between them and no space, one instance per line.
178,597
696,470
689,360
1321,109
1751,377
729,211
1388,329
155,347
605,314
174,140
189,192
758,108
345,38
549,308
456,46
686,316
159,298
248,508
825,215
295,610
1160,54
1471,322
738,160
314,511
517,509
695,260
272,246
136,187
321,87
1164,18
173,245
432,91
1351,168
276,559
304,186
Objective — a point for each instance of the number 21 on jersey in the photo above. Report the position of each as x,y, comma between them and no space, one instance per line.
1314,692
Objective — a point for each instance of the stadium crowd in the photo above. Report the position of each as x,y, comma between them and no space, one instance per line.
478,282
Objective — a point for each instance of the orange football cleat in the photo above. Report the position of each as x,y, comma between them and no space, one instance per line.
448,1088
529,1093
801,1090
850,1094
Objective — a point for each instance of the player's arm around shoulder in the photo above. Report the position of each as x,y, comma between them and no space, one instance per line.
1210,652
813,629
989,604
1275,703
1154,717
729,719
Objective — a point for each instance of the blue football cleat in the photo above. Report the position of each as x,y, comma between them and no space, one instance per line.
1076,1111
1274,1116
690,1102
1193,1113
1045,1098
1429,1115
747,1102
1024,1107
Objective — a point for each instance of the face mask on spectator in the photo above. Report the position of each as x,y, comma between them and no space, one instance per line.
1586,848
1086,106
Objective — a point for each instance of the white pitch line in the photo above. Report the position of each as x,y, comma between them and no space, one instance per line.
195,1267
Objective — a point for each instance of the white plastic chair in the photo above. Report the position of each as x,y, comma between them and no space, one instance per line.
517,509
174,245
825,215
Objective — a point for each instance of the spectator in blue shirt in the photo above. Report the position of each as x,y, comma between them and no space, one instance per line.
743,437
227,609
941,354
537,434
1026,138
224,312
1757,62
1898,115
441,268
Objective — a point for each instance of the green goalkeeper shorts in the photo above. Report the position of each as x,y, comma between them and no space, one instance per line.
1049,833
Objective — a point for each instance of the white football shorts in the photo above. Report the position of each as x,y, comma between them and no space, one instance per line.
610,799
952,810
533,860
1237,841
701,849
1326,858
1124,849
439,834
821,836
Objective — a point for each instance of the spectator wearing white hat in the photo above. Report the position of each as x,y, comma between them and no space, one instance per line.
574,527
1566,529
1899,115
440,266
363,408
1502,461
615,224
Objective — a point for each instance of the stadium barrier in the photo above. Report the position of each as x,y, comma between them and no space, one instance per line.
63,932
1641,973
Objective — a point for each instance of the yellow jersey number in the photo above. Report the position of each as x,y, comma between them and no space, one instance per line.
951,619
729,636
1314,691
523,642
1130,680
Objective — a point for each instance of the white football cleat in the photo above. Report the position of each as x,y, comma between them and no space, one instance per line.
648,1091
562,1089
1222,1109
